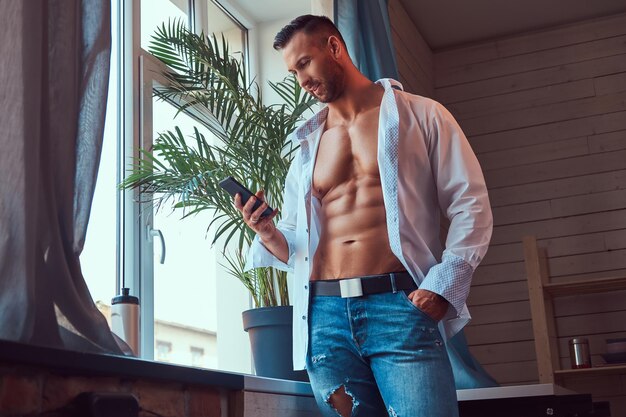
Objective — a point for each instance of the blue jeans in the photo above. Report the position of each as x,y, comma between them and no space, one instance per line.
385,353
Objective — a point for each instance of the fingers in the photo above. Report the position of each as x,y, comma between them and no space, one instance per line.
253,217
430,303
257,214
237,201
265,219
246,209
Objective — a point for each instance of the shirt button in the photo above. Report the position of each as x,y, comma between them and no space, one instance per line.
307,230
303,317
306,287
306,258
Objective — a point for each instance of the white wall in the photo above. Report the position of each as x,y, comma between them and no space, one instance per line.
271,65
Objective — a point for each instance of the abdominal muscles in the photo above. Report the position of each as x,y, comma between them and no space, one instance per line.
354,240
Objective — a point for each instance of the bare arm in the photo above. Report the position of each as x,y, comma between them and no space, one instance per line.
264,227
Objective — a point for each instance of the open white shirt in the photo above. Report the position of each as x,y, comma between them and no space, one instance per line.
427,167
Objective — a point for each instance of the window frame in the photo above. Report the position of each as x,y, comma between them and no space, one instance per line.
140,71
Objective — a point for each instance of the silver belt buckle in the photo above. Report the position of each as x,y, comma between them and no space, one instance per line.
350,287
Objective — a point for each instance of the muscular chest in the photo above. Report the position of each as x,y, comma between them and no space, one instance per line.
345,155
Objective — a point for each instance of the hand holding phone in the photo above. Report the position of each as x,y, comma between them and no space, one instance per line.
263,225
235,187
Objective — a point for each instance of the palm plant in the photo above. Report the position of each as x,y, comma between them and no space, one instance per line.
251,143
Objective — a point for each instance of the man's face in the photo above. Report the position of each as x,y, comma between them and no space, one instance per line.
314,66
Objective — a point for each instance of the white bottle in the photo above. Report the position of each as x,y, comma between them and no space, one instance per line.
125,319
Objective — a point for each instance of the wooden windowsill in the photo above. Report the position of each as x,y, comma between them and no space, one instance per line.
81,363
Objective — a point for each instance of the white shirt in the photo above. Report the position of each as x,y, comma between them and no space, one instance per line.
427,167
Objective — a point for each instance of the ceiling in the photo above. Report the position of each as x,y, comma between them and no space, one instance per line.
445,23
269,10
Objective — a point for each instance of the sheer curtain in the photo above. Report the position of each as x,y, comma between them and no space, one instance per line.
366,28
54,68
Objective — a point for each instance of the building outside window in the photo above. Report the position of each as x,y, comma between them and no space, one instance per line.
163,351
197,356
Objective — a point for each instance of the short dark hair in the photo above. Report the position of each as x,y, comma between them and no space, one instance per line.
308,24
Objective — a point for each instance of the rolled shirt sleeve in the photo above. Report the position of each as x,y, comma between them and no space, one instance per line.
258,255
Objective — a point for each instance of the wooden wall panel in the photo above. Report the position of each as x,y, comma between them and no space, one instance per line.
526,80
559,168
545,113
413,55
561,246
516,64
549,113
532,42
517,100
567,129
504,352
538,191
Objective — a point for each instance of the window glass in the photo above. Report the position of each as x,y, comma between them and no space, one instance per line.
163,351
156,12
197,356
220,24
184,284
185,279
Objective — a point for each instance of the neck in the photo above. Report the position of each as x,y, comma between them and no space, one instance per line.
359,94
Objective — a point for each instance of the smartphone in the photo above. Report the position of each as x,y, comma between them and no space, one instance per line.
233,187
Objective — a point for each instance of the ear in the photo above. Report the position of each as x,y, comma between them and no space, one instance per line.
335,46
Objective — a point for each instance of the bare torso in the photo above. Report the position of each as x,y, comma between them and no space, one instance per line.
346,180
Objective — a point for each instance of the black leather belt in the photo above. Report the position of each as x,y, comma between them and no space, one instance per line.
370,284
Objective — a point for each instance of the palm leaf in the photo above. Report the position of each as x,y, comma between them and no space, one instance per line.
250,141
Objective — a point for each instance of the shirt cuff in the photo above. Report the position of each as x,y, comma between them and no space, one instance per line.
451,279
259,256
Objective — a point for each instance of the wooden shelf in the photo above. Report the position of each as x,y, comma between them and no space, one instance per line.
541,294
595,371
586,286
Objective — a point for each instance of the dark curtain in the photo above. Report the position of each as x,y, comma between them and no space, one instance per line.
54,69
364,25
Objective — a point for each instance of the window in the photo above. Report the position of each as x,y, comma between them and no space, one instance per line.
197,356
156,12
180,311
178,267
163,351
218,22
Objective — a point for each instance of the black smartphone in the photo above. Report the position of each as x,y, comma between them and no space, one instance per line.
233,187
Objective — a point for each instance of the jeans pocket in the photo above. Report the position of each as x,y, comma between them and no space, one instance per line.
404,296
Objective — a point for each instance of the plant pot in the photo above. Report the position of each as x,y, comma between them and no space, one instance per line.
270,331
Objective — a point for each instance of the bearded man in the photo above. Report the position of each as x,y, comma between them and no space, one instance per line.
376,293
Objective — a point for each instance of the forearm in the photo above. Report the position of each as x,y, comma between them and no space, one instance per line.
276,243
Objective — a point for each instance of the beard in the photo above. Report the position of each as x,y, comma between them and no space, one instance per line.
330,85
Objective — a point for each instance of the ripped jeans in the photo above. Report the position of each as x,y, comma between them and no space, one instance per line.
383,352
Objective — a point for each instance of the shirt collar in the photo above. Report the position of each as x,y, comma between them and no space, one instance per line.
312,124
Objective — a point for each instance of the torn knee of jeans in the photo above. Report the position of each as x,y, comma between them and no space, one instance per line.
392,412
342,401
318,358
